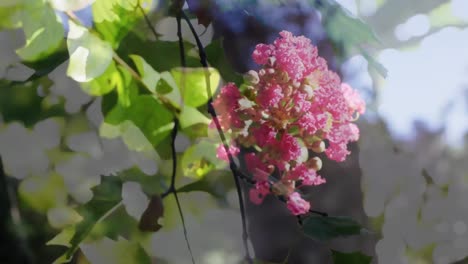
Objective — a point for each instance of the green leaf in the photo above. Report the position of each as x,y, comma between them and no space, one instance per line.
119,252
326,228
149,76
191,116
107,198
89,55
217,59
115,18
199,159
43,193
351,32
193,86
46,65
217,183
345,28
10,15
127,88
147,114
110,10
350,258
161,55
105,83
132,136
168,87
374,64
43,29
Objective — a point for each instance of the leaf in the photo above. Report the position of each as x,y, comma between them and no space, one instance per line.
115,18
343,27
326,228
147,114
149,76
10,15
199,159
46,65
43,29
152,214
105,83
43,193
350,258
349,31
119,252
89,55
191,116
193,86
374,64
217,183
217,58
132,136
168,87
161,55
107,198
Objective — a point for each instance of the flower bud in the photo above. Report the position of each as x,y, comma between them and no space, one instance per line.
271,71
251,77
296,84
318,146
262,72
271,61
309,91
284,77
315,163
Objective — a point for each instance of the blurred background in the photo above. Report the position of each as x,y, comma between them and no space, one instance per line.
406,180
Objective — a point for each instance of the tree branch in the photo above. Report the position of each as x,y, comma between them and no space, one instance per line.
212,112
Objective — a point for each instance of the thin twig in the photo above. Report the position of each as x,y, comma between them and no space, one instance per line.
172,188
148,22
212,112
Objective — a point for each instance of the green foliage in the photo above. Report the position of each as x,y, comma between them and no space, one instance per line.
326,228
350,32
199,159
89,55
107,197
194,83
350,258
119,252
43,193
42,28
147,114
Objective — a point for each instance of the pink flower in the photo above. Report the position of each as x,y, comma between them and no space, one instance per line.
295,55
261,53
256,167
264,135
355,102
226,105
221,151
337,151
347,132
301,104
297,205
310,122
307,175
258,193
288,147
270,95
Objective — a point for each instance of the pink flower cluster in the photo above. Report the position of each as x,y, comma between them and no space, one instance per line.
285,111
